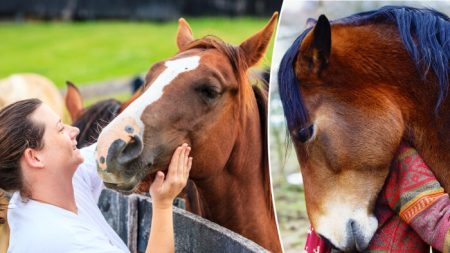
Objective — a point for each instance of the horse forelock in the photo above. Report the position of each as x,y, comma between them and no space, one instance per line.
237,61
289,87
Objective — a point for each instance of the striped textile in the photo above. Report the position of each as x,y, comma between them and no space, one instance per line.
413,211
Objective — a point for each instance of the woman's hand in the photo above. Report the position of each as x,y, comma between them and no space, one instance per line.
164,189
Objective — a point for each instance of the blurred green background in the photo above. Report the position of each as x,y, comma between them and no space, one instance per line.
87,52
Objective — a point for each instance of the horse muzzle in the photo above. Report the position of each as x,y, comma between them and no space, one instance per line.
123,167
348,234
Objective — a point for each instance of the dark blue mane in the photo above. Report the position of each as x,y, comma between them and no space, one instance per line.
425,34
289,87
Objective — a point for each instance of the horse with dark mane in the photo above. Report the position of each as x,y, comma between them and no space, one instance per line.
352,90
202,97
92,119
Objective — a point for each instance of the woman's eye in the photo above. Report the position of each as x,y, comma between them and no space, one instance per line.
305,133
61,129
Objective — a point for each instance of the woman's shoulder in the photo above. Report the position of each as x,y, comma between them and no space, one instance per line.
45,228
36,228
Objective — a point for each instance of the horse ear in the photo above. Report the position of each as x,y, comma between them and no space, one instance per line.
320,48
74,101
255,46
184,34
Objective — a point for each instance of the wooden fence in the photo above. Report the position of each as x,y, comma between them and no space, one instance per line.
130,216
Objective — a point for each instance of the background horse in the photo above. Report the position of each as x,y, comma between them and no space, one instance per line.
22,86
351,91
92,119
201,96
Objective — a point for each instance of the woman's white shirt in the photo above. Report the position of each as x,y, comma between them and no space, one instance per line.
38,227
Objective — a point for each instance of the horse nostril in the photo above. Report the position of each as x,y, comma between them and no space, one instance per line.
131,150
351,227
356,235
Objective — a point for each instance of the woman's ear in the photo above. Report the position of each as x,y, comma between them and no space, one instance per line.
32,158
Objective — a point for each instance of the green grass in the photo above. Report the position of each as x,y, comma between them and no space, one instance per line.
93,51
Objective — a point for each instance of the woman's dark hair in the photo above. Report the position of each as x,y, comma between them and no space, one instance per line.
17,133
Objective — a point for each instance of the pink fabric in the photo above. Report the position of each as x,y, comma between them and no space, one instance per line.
314,244
412,210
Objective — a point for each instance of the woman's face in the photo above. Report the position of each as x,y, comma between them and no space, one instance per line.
60,151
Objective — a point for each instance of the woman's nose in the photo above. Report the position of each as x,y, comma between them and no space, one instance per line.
75,131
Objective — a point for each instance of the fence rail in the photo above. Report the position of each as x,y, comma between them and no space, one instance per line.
130,216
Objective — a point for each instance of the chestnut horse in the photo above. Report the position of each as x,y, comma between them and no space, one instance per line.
202,97
351,91
91,120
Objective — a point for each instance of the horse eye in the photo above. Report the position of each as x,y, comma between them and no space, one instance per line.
305,134
209,93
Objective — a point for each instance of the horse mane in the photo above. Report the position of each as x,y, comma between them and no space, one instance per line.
93,119
427,49
289,87
261,100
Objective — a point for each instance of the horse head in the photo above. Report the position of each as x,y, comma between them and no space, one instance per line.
198,97
351,91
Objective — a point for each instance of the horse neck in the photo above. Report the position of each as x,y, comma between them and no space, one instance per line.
240,197
428,130
425,128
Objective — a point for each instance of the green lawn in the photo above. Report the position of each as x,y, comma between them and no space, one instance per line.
86,52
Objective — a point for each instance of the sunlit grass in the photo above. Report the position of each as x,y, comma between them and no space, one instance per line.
85,52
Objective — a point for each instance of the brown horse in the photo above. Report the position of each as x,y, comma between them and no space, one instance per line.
91,120
202,97
351,91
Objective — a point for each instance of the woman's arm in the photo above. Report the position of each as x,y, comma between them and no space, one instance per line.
414,193
164,190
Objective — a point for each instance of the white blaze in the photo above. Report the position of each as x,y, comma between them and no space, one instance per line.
155,91
131,116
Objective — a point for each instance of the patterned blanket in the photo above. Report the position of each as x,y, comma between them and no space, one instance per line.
413,211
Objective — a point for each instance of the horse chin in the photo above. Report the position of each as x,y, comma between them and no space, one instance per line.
125,181
348,234
124,188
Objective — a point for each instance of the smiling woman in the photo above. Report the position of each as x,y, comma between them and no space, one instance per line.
54,207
